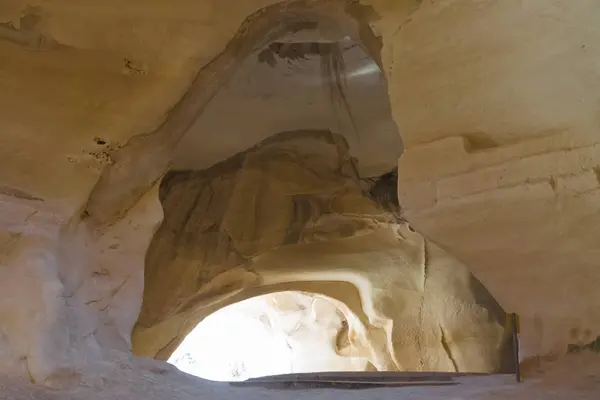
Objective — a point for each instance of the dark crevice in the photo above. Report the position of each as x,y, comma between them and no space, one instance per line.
302,214
597,173
19,194
384,191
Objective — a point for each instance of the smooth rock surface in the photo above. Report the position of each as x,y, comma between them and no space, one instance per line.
283,332
502,156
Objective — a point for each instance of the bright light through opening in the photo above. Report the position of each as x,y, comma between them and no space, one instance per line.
281,333
229,345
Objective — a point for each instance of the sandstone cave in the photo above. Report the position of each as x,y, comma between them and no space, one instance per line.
375,187
314,175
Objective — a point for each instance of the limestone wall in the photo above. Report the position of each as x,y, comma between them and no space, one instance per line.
501,159
496,103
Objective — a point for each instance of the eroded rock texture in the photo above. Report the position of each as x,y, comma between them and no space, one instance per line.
290,212
502,154
70,293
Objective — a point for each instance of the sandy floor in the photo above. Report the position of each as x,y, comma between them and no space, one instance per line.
573,377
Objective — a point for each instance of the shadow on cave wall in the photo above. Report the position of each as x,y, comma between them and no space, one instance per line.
484,298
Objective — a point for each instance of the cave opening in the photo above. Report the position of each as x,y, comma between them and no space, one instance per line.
273,334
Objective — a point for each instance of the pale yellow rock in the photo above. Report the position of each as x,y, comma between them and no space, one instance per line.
421,309
496,103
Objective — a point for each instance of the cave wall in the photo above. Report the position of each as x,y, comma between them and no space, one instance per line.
294,187
501,161
71,293
87,79
284,332
484,103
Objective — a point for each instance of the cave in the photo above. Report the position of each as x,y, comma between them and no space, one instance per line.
385,190
283,333
294,172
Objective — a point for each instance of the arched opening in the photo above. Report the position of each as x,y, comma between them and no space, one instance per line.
273,334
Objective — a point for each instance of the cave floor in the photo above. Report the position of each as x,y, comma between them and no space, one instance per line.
356,380
573,377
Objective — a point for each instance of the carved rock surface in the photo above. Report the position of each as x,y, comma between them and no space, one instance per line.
71,293
291,211
502,154
486,95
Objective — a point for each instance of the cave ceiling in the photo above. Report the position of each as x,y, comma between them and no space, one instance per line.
284,87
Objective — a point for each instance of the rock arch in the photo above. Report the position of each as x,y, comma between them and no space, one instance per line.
290,212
